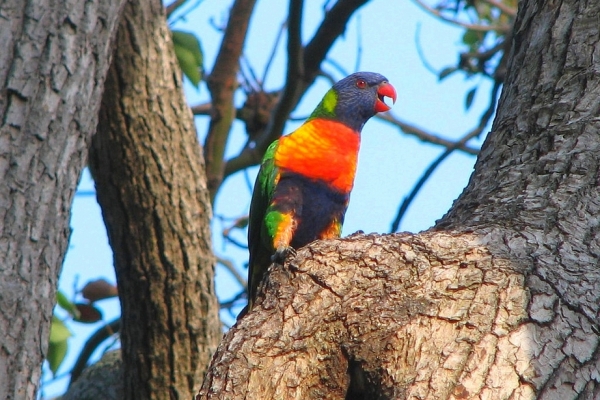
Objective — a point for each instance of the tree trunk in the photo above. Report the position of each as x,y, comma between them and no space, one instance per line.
150,182
500,301
52,68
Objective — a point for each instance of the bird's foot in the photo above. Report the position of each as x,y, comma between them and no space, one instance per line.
282,253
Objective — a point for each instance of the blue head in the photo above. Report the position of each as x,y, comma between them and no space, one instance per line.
355,99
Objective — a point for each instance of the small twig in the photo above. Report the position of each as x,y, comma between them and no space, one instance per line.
81,193
253,152
274,51
330,78
298,119
205,109
170,10
253,82
173,6
420,51
233,271
423,135
314,53
249,183
358,43
502,7
223,218
235,242
484,56
485,118
473,27
228,304
202,109
337,66
75,287
295,68
215,26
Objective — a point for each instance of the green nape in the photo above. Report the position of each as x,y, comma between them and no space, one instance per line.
326,107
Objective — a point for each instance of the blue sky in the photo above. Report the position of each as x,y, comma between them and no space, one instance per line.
389,162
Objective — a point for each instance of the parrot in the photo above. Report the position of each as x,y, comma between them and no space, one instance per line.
305,178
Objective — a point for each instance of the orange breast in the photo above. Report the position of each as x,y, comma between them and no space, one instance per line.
322,150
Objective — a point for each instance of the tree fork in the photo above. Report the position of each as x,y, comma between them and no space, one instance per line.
501,300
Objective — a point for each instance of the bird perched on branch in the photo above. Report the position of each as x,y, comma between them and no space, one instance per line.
304,183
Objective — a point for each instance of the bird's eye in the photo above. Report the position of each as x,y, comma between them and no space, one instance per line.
361,84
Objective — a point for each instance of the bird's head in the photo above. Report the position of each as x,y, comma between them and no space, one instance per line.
355,99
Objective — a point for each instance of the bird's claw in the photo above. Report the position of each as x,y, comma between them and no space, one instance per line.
282,253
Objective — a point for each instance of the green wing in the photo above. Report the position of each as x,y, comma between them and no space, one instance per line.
259,244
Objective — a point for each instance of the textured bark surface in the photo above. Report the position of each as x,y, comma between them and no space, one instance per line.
150,181
413,312
102,380
535,193
52,68
500,301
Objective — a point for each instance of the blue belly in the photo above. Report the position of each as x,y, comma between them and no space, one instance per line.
314,205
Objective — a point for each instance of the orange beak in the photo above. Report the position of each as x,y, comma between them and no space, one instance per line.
385,90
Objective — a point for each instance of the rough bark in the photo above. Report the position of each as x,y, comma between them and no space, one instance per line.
500,301
52,68
409,311
150,181
102,380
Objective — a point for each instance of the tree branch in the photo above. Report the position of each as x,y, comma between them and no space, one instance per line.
295,69
228,265
485,118
273,52
222,83
314,53
424,135
511,11
202,109
205,109
474,27
172,7
377,310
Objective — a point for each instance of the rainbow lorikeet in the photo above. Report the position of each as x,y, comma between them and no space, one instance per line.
304,183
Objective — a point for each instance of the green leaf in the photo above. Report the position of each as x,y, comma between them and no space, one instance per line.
66,304
56,355
188,65
189,54
58,331
445,72
471,37
190,42
469,98
57,348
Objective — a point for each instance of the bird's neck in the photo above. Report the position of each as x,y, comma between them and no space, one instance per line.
323,150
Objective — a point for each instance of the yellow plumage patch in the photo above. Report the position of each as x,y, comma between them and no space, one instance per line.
334,230
281,228
330,101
